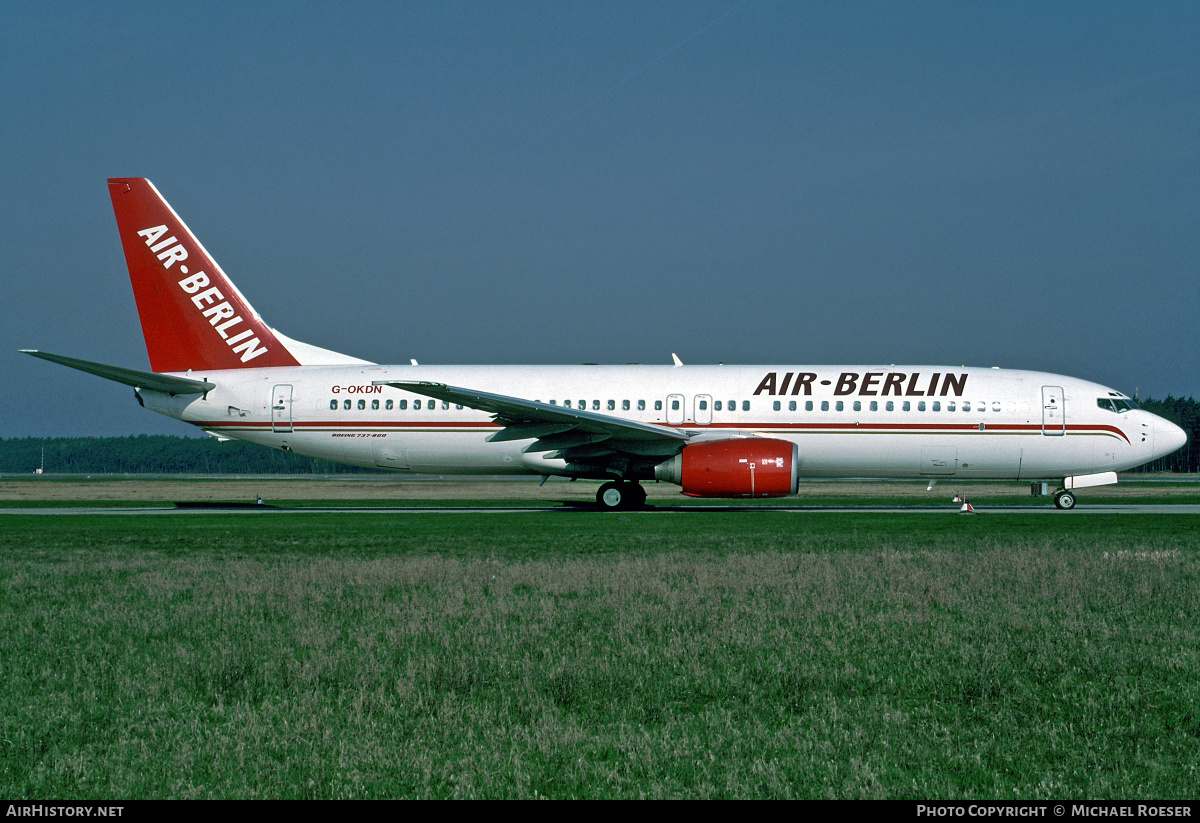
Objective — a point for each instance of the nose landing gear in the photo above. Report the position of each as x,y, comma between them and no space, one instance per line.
1064,499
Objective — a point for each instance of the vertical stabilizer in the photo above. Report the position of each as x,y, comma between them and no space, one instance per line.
192,316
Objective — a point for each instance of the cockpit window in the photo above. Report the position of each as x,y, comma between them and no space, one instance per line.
1115,404
1105,403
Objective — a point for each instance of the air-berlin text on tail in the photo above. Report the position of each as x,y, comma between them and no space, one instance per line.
221,316
868,384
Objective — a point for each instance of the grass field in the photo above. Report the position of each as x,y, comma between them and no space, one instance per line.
686,654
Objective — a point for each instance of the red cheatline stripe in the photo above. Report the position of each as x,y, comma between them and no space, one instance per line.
860,428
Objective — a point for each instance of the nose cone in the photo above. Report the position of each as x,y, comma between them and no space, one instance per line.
1167,437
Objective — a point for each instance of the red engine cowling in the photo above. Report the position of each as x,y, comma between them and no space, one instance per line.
737,467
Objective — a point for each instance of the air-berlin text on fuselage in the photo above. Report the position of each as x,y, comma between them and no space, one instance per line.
868,384
221,316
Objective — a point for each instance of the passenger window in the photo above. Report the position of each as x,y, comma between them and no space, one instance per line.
658,405
388,405
403,405
937,405
374,405
906,407
950,406
583,405
553,402
704,405
417,404
808,405
674,405
874,405
716,405
612,405
566,404
641,405
858,405
732,405
791,405
840,405
966,405
982,407
595,405
362,404
776,405
891,406
346,405
333,405
445,404
624,405
824,405
745,405
921,405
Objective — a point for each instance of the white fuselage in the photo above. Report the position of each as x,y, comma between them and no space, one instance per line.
848,421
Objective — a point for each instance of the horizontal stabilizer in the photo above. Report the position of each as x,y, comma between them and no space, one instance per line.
130,377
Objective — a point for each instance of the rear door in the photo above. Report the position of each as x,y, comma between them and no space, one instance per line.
281,408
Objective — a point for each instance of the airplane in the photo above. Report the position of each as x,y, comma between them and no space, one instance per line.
719,431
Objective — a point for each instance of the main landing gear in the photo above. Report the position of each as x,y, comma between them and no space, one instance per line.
620,496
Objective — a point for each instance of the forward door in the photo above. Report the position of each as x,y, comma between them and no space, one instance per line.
1054,421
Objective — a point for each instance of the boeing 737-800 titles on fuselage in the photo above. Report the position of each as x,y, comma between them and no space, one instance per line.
717,431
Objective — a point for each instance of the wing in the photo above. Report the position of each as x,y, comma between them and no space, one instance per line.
575,435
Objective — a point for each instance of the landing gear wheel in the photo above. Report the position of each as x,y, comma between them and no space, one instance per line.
615,496
612,496
1064,500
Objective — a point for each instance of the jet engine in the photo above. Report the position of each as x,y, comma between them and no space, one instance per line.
736,467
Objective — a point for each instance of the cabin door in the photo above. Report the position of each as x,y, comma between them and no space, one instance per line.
281,408
1054,421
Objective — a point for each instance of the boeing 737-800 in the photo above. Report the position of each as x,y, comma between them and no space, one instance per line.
716,431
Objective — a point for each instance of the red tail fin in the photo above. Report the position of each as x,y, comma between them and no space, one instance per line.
192,316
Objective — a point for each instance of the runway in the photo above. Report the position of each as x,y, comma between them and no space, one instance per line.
574,508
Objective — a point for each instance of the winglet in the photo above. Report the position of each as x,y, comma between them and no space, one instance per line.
675,357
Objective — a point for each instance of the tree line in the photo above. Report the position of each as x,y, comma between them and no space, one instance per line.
168,454
155,454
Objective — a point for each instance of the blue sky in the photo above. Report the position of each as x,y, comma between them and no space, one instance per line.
1013,184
